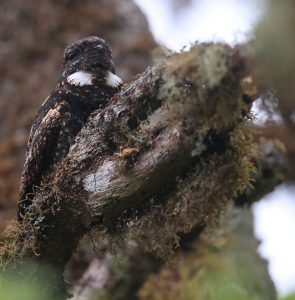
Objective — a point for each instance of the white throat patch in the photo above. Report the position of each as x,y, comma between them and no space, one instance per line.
80,78
113,80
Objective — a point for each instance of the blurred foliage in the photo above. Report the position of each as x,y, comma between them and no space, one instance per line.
275,70
21,283
289,297
275,48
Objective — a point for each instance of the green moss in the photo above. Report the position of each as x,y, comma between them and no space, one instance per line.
204,94
202,87
221,265
198,199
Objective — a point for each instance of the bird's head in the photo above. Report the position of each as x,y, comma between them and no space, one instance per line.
89,61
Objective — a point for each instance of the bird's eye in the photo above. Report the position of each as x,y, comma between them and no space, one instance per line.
71,55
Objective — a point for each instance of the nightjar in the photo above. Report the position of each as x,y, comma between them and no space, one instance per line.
87,83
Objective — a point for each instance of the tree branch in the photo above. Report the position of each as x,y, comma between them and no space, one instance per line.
174,130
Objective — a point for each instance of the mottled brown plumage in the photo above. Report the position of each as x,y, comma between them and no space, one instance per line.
87,83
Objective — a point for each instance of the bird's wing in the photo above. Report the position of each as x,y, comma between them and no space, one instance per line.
41,141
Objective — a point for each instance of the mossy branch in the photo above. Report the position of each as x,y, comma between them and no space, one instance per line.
170,146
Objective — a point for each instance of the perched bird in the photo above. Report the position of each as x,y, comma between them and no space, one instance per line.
87,82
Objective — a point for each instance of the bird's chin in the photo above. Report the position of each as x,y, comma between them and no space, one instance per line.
113,80
80,78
